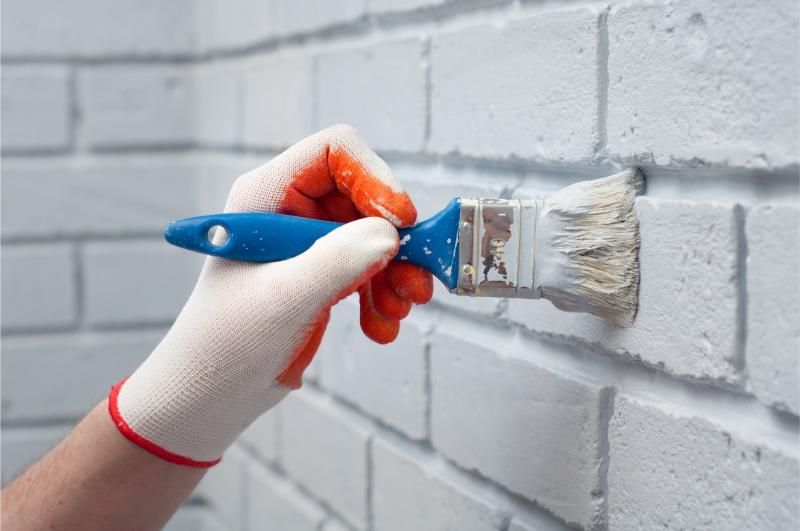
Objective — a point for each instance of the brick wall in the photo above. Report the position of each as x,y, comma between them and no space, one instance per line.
485,414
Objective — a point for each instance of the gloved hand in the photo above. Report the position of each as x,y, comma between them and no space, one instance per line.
249,330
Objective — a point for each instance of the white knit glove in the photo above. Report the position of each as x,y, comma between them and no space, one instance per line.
249,330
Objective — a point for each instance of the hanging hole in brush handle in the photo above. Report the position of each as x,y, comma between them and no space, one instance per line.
251,237
218,233
262,237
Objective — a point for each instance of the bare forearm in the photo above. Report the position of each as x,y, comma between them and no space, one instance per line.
97,479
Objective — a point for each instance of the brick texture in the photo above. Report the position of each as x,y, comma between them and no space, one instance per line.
143,105
73,372
389,384
274,500
278,106
326,449
334,525
217,104
505,418
220,27
410,495
38,286
192,518
484,414
688,306
261,437
94,28
143,283
305,16
36,108
223,488
398,6
380,90
85,197
677,70
543,121
773,333
674,472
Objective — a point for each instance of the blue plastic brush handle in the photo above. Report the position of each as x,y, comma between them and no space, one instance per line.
260,237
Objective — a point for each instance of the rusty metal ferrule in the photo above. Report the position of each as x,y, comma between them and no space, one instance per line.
497,248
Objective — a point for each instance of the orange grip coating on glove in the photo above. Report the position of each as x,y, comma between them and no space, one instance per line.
337,185
332,175
408,283
370,195
386,300
292,375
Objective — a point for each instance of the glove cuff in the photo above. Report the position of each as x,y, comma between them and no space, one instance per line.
128,432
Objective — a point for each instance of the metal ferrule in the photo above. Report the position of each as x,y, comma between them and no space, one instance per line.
496,248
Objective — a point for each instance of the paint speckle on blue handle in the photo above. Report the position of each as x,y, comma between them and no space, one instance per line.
283,237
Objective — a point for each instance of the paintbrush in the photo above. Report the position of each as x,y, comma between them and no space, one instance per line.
578,248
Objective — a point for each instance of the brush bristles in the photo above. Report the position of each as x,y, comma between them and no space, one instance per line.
593,236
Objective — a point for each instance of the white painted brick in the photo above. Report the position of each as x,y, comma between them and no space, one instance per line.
334,525
217,102
273,503
64,376
389,381
379,90
395,6
224,24
325,449
194,518
136,105
485,306
35,108
278,100
261,437
254,21
534,431
38,283
687,319
223,488
532,518
698,80
410,492
216,174
773,333
91,28
526,88
306,16
517,525
136,281
676,472
80,196
21,447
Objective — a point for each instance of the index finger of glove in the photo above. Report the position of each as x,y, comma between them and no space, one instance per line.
366,179
333,159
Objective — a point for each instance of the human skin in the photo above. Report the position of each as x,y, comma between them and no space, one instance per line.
96,479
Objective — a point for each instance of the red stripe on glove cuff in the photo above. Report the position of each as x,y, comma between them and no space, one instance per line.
153,448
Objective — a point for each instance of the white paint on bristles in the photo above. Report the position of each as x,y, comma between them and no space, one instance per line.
587,247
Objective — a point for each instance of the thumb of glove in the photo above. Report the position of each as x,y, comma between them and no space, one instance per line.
338,263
